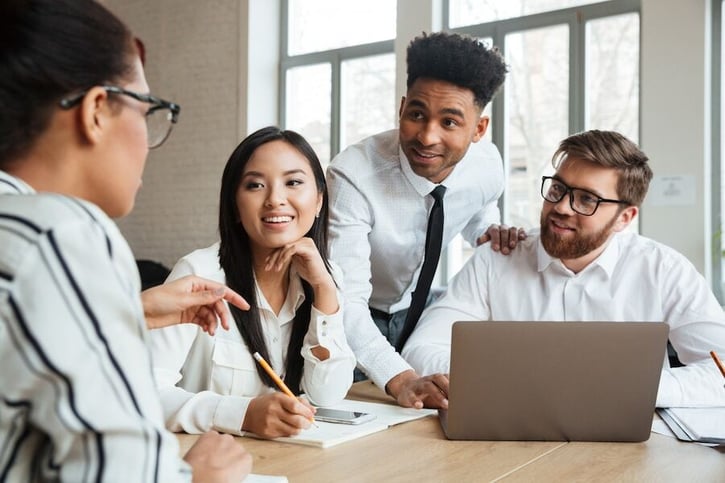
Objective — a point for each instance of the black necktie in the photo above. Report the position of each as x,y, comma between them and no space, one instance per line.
433,241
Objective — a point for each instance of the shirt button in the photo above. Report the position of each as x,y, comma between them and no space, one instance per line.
324,333
324,322
275,339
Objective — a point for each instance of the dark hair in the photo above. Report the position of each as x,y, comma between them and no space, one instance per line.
460,60
235,255
610,149
49,49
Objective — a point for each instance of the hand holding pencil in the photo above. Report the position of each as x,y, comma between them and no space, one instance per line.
277,413
277,380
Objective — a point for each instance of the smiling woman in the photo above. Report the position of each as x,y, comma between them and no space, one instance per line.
277,198
273,251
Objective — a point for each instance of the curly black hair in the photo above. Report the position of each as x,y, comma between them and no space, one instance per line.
458,59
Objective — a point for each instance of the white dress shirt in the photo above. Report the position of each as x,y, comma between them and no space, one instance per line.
206,382
378,219
78,400
634,279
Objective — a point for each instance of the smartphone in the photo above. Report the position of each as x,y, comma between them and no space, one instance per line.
342,417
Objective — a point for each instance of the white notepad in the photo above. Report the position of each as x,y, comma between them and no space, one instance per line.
703,425
331,434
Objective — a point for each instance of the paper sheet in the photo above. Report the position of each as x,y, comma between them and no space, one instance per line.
331,434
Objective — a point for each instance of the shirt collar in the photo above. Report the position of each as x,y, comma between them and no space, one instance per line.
295,297
420,184
10,185
296,293
542,257
607,260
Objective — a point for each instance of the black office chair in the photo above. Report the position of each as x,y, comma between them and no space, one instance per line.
152,273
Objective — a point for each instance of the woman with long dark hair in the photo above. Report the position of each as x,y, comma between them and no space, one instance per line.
273,251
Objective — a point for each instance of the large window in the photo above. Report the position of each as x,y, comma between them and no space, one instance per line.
338,71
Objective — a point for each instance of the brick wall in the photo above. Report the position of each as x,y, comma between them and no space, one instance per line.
193,58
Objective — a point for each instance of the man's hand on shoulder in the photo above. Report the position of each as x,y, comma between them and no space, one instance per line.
503,238
412,391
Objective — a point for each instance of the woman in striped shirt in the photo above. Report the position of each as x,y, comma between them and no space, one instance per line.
78,401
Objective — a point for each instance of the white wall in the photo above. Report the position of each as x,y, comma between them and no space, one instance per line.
675,117
413,18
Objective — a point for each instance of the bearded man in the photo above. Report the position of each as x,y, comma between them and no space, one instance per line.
584,265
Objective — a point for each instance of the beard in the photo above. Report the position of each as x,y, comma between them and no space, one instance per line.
576,247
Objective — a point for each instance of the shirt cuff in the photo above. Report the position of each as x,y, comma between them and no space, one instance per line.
229,414
386,367
327,331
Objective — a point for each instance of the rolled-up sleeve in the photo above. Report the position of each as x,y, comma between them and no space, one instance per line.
327,382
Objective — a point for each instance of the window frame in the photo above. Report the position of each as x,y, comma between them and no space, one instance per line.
716,219
335,58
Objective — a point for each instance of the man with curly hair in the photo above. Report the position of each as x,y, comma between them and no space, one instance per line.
381,194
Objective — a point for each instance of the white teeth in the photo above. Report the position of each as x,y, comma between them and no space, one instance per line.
277,219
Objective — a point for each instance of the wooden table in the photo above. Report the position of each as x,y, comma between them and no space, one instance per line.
418,451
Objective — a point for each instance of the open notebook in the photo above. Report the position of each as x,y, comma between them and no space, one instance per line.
554,381
326,435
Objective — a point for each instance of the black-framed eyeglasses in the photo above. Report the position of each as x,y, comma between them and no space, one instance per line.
160,118
581,201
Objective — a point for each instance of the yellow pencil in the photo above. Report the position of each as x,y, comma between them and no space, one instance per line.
277,380
718,363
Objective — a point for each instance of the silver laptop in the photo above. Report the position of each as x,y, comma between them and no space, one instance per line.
554,381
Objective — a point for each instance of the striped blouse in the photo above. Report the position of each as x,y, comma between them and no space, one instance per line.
78,401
